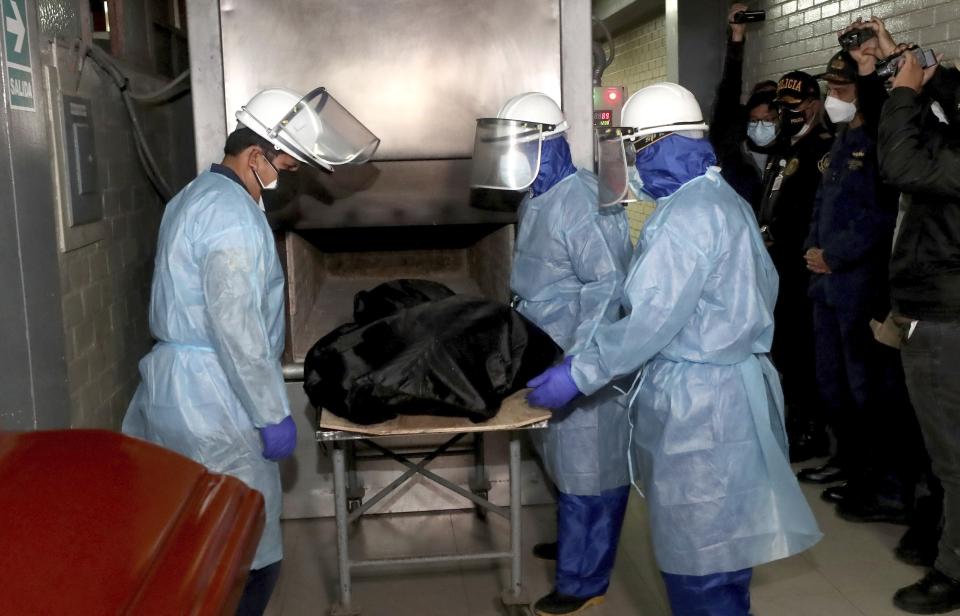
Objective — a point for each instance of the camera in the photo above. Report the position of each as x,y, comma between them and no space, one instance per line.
855,38
746,17
888,68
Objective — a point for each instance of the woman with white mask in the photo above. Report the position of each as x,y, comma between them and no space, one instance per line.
742,134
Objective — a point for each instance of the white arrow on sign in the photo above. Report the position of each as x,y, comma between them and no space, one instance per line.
15,27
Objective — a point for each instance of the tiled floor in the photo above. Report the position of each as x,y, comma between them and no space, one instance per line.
850,573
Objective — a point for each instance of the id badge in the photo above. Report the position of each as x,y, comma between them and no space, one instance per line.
777,181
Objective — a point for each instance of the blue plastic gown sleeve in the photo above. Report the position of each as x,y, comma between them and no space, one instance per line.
661,293
602,279
231,265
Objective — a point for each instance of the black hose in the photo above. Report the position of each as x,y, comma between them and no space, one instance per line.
601,61
171,90
147,161
613,48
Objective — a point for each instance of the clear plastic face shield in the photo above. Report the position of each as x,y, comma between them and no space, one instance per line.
506,153
321,131
616,157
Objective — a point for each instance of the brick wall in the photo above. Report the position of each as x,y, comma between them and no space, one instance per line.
106,285
802,34
640,60
637,214
641,56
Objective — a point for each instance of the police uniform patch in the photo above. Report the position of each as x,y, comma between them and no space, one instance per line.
856,160
792,167
824,162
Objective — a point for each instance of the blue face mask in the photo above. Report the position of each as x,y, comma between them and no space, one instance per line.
671,162
761,133
555,164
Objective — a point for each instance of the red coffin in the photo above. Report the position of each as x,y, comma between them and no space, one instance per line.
94,522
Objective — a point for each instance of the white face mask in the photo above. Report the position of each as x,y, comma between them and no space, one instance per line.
272,185
839,111
761,132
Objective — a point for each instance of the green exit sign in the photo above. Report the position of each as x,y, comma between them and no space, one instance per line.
16,43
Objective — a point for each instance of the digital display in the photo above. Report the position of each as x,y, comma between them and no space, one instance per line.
602,117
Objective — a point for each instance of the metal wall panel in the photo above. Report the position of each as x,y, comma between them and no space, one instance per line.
33,386
578,79
417,72
16,395
696,43
206,81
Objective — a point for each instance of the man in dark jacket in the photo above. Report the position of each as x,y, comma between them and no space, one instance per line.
848,249
919,149
742,135
790,183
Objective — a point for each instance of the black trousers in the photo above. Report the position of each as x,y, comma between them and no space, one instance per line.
848,377
256,594
793,353
906,454
931,360
861,383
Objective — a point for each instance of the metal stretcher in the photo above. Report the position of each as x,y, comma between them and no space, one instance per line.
515,416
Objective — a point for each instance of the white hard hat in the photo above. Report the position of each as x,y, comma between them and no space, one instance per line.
315,129
534,107
265,110
661,108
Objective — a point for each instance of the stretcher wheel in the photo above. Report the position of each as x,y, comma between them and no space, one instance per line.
353,504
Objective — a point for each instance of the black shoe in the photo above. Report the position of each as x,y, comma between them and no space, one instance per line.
828,473
872,509
918,546
934,594
555,603
809,442
545,551
835,494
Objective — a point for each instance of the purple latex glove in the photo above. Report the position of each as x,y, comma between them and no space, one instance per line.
555,387
279,439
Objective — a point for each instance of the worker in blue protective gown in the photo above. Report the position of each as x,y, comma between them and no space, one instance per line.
212,387
708,447
567,277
